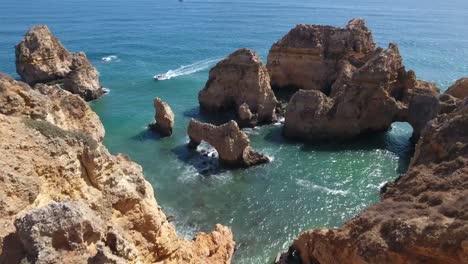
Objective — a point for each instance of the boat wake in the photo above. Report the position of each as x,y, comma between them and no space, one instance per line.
311,186
187,69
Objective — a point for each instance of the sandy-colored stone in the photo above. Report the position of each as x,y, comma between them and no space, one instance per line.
422,217
66,199
49,103
41,58
164,118
459,89
231,143
307,57
240,79
363,98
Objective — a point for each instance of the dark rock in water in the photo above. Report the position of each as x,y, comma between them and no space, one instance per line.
232,145
164,118
240,79
41,58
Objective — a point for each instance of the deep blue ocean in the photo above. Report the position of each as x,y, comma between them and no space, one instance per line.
305,186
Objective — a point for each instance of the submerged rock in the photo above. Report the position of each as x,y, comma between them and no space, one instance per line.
240,79
41,58
364,94
459,89
231,143
307,57
164,118
422,216
66,199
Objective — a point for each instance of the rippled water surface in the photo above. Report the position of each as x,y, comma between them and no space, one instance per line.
305,186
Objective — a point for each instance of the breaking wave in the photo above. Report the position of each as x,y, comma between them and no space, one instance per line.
109,58
311,186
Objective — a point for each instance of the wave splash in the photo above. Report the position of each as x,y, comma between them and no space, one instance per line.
187,69
312,186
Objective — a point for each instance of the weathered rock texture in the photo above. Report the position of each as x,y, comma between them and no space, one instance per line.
365,91
164,118
232,145
65,199
41,58
459,89
422,217
240,79
308,56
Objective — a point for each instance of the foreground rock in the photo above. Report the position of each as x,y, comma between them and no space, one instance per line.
240,79
66,199
365,91
41,58
307,57
232,145
422,217
164,118
459,89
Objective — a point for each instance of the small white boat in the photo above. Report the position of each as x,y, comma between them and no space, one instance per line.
161,77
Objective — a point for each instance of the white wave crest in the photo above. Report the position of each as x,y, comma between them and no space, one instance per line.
312,186
187,69
109,58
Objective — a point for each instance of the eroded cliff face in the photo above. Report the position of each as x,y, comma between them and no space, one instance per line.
307,57
240,79
363,94
66,199
41,58
422,217
459,89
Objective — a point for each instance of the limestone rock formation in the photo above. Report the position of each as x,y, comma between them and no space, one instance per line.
422,217
41,58
307,57
459,89
164,118
363,95
84,80
66,199
232,145
49,103
240,79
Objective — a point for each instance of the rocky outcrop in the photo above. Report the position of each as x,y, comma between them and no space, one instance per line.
66,199
164,118
459,89
308,56
48,103
41,58
422,217
240,79
365,94
232,145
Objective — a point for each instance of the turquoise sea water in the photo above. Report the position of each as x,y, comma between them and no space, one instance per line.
305,186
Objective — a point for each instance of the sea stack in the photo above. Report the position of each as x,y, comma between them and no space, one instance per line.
41,58
240,79
164,118
307,57
365,91
459,89
232,145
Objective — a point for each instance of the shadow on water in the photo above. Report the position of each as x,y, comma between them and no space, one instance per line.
215,118
146,135
401,146
204,161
